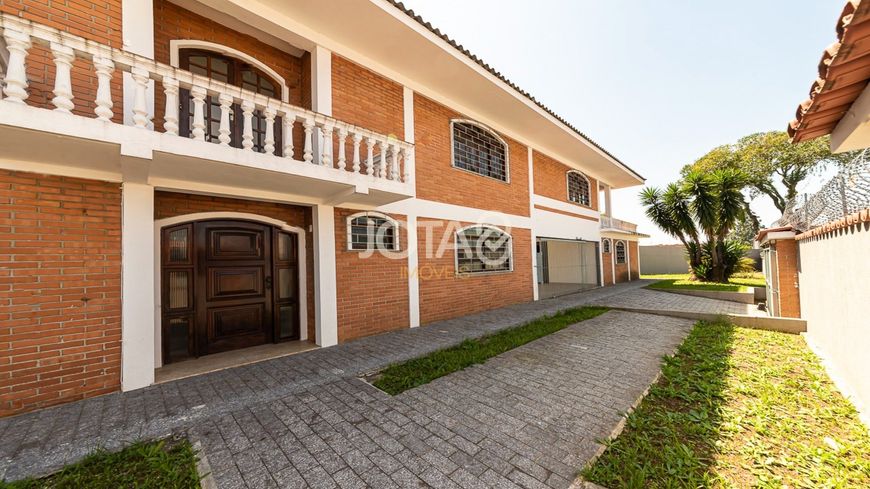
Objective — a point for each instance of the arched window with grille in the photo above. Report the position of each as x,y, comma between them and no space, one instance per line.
372,231
578,188
482,249
620,252
478,149
605,245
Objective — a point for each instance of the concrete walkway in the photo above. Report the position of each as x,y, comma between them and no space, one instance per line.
529,417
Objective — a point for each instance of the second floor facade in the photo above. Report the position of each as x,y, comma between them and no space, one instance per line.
360,105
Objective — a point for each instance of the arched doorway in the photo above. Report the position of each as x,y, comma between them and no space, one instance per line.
227,284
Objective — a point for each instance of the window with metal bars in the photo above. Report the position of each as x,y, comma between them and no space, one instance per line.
620,252
372,231
481,249
479,150
605,245
578,188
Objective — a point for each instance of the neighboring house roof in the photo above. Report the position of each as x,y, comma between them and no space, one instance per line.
410,13
844,71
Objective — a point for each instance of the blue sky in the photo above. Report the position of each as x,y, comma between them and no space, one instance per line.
657,83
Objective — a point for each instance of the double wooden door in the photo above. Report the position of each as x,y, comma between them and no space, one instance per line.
227,285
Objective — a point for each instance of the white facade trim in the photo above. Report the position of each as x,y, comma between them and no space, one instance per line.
449,212
565,206
534,237
507,150
137,286
325,289
199,216
413,275
321,80
176,45
137,36
408,108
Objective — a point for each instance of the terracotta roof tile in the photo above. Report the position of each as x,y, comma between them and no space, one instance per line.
410,13
844,71
859,217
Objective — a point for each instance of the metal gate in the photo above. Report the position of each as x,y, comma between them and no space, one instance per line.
566,266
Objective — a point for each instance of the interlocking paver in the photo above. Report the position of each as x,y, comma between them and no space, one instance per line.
527,418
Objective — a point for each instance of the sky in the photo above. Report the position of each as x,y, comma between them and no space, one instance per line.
658,83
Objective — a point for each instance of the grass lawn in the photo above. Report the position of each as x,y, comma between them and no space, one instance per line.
418,371
737,283
739,408
167,464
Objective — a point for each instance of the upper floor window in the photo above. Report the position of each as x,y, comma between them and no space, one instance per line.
620,252
234,72
479,150
372,231
578,188
605,245
483,249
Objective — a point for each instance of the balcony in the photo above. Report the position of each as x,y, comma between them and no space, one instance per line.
617,225
337,163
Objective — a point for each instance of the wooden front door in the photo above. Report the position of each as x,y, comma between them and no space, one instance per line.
227,285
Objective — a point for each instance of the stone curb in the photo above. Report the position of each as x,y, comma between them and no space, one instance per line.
203,467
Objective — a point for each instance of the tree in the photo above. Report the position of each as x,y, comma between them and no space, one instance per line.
770,162
704,204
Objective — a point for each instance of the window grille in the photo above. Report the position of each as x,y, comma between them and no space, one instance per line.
483,249
578,188
479,150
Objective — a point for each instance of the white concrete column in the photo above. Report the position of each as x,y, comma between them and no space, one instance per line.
609,212
413,275
628,258
137,33
534,237
137,286
325,292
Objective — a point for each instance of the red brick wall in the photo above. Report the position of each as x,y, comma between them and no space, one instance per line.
60,290
551,180
98,21
438,180
372,289
634,263
621,269
170,204
606,263
787,267
366,99
444,295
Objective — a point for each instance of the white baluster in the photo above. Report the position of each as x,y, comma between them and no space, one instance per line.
140,105
288,121
370,159
170,114
308,154
326,153
269,139
394,162
198,125
382,165
247,124
63,94
104,68
357,139
224,132
407,157
342,137
17,43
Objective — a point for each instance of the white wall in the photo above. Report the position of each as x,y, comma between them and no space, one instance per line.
660,259
835,292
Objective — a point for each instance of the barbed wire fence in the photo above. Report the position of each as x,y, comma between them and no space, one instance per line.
847,192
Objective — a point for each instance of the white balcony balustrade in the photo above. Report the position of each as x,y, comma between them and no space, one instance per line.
342,148
608,222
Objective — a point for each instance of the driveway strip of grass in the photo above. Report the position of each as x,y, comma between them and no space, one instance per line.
400,377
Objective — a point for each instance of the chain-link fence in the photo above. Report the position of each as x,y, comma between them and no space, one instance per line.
847,192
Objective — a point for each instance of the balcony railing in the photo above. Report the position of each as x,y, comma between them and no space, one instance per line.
608,222
327,142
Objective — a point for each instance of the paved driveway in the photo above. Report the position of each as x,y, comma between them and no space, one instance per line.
529,417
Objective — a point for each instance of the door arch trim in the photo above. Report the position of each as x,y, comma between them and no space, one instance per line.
159,224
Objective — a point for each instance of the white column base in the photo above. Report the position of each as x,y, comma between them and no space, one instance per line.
137,286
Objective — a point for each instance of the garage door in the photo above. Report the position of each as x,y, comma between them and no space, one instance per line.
566,266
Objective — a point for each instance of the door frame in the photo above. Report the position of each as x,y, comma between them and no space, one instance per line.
244,216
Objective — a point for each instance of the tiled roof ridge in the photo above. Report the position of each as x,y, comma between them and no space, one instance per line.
853,219
844,50
434,30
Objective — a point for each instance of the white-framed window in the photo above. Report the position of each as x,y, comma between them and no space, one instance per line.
479,149
620,252
605,245
372,231
483,249
579,188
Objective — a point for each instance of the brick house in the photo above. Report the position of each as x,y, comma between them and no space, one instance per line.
181,179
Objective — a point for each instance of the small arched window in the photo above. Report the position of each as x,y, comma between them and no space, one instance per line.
372,231
605,245
481,249
578,188
480,150
620,252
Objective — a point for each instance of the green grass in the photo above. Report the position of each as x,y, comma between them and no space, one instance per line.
737,283
169,464
406,375
739,408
